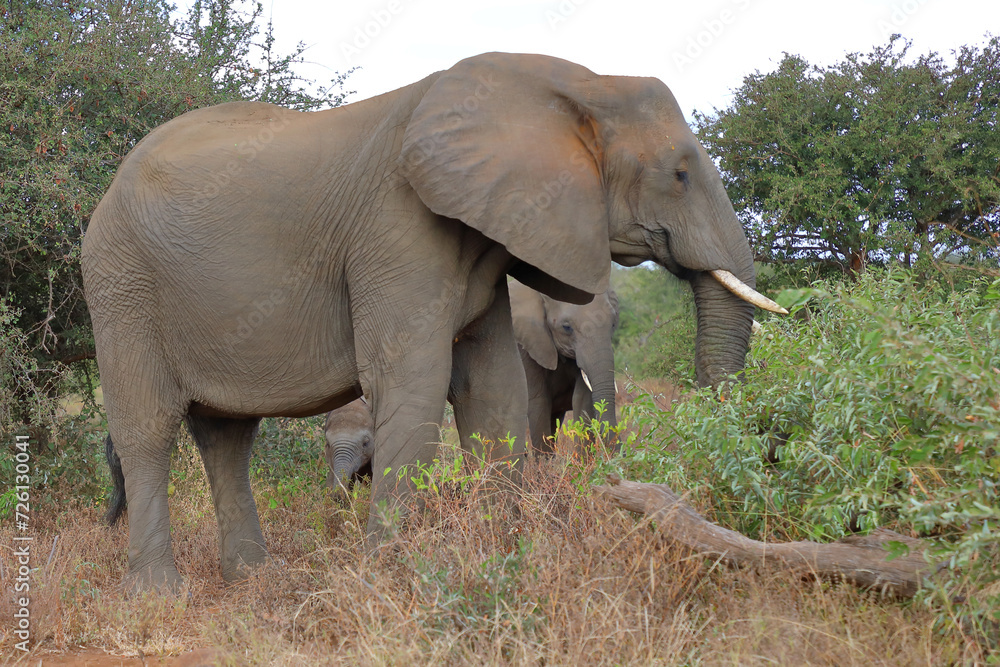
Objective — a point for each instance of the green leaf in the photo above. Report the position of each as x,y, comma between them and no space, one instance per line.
792,299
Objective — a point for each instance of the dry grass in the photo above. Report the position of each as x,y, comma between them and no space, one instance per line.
560,578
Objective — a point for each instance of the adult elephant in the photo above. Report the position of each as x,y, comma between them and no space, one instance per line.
250,261
568,360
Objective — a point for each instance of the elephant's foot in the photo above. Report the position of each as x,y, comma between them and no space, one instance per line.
164,578
237,566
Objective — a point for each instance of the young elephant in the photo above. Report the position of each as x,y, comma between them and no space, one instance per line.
350,443
567,357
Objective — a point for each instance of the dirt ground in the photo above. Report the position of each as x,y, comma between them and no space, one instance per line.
97,658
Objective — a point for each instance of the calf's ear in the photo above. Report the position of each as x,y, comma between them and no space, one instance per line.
530,329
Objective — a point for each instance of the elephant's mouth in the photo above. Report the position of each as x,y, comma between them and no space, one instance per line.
659,242
628,253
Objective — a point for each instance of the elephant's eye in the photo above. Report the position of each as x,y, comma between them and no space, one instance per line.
568,328
682,177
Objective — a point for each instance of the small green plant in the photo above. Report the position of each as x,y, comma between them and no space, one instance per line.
596,431
443,473
594,439
455,469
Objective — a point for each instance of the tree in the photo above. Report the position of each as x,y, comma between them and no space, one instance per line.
875,158
80,84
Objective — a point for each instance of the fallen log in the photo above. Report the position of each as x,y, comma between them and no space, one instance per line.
860,560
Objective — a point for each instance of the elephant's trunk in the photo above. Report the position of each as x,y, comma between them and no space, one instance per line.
724,318
346,461
599,365
724,322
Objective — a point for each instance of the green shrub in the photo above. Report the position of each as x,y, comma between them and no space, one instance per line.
26,391
878,405
66,451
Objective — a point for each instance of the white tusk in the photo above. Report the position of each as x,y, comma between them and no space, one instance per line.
586,380
755,327
616,385
745,292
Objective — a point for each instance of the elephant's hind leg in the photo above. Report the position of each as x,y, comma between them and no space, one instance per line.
144,409
144,448
224,445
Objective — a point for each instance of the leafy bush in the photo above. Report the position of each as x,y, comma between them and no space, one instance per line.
655,336
878,406
288,458
66,453
26,392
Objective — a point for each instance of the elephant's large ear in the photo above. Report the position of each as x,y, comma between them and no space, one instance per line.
509,144
530,329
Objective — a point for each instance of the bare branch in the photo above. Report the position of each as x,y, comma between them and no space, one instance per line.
862,561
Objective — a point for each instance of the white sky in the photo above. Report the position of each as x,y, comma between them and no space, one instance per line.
701,49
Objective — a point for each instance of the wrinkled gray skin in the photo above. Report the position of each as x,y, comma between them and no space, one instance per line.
559,342
350,443
252,261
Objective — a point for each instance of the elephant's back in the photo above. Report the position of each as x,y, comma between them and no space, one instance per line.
204,134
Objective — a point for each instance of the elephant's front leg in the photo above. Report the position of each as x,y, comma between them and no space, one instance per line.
488,389
405,380
224,445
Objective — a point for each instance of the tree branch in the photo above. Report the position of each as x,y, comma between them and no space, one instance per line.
860,560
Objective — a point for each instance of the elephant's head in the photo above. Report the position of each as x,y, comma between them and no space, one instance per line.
350,443
547,329
568,169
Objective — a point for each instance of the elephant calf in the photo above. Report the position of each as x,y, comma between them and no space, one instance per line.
567,357
350,444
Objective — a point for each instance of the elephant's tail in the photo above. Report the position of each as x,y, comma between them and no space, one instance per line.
117,504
